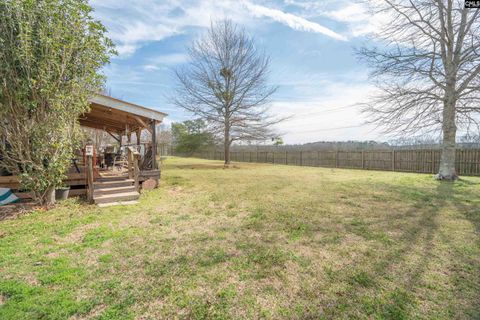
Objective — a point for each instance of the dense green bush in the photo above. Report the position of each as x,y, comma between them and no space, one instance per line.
51,52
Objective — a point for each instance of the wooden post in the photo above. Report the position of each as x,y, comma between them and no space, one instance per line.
273,157
286,157
154,144
130,163
336,159
136,171
363,160
120,140
90,178
138,134
301,159
393,160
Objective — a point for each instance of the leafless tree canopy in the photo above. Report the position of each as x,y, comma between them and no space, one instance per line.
427,66
225,84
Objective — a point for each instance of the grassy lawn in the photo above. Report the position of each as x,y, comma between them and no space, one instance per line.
254,241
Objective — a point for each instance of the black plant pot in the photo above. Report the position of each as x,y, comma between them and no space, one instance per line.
61,194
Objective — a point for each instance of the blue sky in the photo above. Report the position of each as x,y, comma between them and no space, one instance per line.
311,45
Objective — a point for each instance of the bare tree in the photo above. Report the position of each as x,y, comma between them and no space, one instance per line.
98,136
427,69
225,84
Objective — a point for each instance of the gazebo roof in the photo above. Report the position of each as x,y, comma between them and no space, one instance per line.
115,115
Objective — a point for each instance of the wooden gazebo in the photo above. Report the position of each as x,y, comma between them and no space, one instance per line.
119,118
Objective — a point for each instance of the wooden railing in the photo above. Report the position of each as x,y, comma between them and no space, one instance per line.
73,179
133,166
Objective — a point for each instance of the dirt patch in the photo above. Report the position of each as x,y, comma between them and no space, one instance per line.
175,191
53,255
31,280
91,256
3,299
150,310
94,313
15,210
78,234
141,220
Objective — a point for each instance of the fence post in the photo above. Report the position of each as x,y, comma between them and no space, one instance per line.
301,159
286,157
393,160
363,160
336,159
432,156
273,157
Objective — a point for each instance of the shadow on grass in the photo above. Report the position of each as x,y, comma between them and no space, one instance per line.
392,287
467,261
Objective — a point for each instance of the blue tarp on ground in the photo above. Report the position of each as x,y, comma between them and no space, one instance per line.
7,196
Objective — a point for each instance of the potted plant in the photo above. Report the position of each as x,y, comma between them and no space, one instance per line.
61,193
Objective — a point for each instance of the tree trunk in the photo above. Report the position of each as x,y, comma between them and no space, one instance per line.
49,197
447,161
227,146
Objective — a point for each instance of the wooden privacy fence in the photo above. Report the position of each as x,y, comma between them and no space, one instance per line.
416,160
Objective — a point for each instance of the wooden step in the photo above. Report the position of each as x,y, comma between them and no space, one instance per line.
112,184
113,190
116,197
112,178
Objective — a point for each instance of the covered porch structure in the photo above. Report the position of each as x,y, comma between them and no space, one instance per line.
124,119
134,162
118,172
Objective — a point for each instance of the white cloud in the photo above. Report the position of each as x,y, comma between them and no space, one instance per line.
359,17
352,12
139,31
167,59
133,26
125,50
293,21
150,67
332,114
164,60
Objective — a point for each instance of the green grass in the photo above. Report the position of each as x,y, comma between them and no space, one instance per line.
254,242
